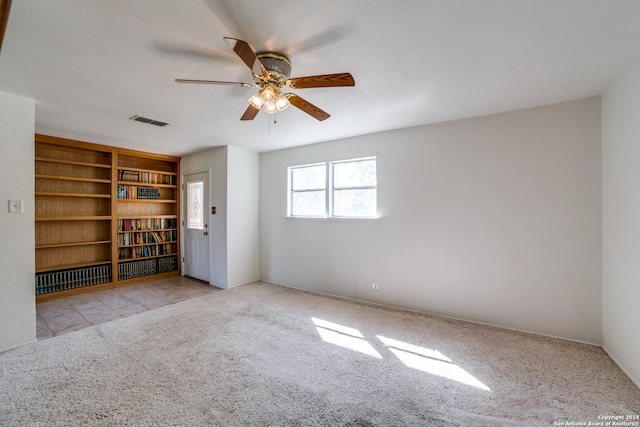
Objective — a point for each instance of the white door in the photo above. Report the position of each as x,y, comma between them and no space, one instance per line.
196,248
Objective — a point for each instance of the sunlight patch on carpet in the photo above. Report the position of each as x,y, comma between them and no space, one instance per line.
430,361
344,336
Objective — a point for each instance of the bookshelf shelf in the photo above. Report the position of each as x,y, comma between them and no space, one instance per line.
71,266
145,201
156,170
72,162
80,214
51,295
147,217
66,245
147,184
149,244
72,178
147,257
146,230
45,193
73,218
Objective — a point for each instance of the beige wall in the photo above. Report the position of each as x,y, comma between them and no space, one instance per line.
233,176
621,221
213,161
17,262
495,219
243,262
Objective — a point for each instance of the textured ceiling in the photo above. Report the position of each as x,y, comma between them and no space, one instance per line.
92,64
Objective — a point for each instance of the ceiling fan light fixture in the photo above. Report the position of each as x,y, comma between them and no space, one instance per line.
270,100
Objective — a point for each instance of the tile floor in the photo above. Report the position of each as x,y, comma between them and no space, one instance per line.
70,314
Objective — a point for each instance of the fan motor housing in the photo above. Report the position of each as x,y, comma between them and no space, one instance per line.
275,63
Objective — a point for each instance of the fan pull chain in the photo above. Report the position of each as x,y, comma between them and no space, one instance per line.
275,120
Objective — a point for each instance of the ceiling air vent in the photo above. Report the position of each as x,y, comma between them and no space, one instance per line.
138,118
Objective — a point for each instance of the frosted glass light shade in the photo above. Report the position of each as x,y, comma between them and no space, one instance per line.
270,100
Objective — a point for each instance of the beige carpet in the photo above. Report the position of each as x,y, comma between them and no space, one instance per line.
264,355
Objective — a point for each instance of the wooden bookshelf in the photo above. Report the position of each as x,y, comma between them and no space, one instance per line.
84,194
147,216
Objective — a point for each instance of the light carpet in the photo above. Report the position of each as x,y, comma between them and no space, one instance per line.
266,355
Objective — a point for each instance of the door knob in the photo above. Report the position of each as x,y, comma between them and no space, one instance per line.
206,233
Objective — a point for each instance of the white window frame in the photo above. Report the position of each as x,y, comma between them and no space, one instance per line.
333,188
329,189
291,191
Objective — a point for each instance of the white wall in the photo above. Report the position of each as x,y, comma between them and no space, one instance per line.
233,183
17,259
494,219
243,262
621,221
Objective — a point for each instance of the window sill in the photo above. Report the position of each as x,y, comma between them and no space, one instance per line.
336,218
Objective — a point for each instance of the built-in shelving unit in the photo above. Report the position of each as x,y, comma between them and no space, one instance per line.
147,216
88,198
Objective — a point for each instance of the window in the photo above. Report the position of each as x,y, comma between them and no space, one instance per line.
354,188
308,190
344,189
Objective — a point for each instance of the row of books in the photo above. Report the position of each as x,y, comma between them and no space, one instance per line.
53,281
133,192
146,224
146,251
131,270
167,264
146,177
140,238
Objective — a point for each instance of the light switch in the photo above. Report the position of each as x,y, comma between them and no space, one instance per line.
15,206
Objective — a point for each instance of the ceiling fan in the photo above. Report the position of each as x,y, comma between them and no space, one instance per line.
271,71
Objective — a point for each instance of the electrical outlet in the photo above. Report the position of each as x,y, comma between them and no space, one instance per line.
15,206
375,286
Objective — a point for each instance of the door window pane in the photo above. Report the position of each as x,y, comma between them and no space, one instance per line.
194,205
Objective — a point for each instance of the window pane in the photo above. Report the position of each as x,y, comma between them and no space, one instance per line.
310,203
308,177
356,203
354,174
194,205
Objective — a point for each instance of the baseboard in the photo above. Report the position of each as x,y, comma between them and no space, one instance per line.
622,368
525,331
232,286
442,316
18,345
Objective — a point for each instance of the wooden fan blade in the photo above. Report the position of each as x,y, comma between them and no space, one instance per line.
5,6
248,56
308,107
325,80
213,82
250,113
